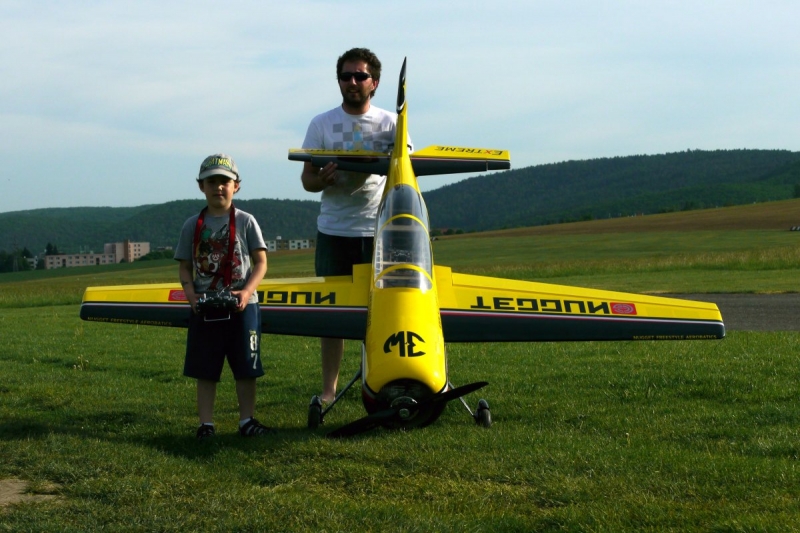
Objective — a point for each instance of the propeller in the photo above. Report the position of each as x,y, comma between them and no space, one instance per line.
406,408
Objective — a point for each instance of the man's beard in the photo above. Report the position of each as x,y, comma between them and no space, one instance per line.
355,99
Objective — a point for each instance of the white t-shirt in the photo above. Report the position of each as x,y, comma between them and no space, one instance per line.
349,207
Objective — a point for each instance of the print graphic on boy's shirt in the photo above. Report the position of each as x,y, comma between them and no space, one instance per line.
212,254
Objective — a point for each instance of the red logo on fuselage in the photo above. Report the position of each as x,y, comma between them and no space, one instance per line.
623,309
177,296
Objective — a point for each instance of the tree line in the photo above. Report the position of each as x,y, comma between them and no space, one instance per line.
529,196
615,187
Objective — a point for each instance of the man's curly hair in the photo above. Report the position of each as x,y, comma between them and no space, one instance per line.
361,54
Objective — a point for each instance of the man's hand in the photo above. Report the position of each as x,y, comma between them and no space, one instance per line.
316,179
328,175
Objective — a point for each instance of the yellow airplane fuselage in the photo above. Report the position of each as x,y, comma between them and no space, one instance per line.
406,345
404,352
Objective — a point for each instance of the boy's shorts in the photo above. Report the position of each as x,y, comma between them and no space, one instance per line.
209,343
335,256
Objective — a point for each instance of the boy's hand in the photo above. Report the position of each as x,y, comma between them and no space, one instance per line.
192,297
243,296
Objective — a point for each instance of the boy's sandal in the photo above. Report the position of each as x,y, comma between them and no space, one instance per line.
205,431
253,428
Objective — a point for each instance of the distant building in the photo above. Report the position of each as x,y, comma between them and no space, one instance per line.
116,252
127,251
76,260
301,244
289,244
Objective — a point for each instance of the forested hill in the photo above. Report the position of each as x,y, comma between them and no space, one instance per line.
613,187
88,228
542,194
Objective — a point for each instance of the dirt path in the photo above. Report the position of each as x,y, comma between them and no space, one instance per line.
17,491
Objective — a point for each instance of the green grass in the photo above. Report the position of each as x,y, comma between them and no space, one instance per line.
672,262
66,285
672,436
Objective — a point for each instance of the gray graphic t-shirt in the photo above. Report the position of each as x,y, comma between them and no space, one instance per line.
212,250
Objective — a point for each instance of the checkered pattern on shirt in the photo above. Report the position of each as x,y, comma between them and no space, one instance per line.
357,136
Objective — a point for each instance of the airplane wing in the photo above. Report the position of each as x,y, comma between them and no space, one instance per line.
473,309
484,309
428,161
334,306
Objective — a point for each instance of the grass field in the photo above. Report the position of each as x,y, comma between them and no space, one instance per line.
97,420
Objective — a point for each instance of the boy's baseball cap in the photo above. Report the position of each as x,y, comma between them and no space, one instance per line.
218,165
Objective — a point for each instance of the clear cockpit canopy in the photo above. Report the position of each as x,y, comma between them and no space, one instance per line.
402,243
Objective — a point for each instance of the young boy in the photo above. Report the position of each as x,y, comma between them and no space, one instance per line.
221,249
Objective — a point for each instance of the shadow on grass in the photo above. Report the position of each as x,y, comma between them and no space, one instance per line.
125,427
188,447
13,430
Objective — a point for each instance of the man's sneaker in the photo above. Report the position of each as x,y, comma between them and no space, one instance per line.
205,431
253,427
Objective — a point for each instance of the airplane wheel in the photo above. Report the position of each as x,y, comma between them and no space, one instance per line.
483,416
314,416
314,413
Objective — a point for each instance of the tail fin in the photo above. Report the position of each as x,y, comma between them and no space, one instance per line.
401,89
401,135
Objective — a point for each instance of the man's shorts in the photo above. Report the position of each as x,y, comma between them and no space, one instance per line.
209,343
335,256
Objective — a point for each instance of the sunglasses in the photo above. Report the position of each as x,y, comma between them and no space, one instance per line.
359,76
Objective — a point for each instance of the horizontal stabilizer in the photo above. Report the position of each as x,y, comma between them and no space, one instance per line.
429,161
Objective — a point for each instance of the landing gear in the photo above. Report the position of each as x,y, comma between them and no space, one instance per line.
314,412
483,417
317,411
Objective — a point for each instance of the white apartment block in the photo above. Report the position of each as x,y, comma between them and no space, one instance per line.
116,252
76,260
289,244
127,251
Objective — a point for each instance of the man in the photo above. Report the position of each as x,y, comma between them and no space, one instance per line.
349,203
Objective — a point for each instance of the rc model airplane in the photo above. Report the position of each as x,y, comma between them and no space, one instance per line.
404,308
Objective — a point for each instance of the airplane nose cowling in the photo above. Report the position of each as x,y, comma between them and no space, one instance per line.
410,400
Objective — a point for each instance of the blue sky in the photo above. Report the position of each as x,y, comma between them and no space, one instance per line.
117,103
